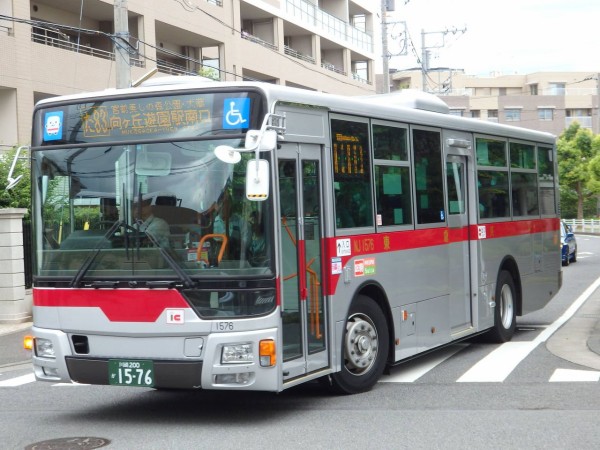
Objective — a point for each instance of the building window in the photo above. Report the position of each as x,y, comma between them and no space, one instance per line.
556,89
582,116
492,115
533,89
501,92
512,115
456,112
475,113
545,113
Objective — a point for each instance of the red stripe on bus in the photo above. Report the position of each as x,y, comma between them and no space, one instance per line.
118,305
393,241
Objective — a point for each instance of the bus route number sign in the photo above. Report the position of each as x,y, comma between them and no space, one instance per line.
130,373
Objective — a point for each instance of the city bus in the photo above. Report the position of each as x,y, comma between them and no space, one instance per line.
249,236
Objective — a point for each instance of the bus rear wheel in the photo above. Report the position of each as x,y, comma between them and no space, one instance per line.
505,312
365,347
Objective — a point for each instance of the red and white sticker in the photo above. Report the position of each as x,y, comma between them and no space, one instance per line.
175,316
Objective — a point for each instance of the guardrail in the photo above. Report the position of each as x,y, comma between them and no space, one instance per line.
584,225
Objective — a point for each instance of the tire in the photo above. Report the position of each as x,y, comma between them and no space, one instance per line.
574,259
364,348
567,260
505,312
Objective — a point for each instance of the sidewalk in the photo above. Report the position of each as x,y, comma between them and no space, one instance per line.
9,328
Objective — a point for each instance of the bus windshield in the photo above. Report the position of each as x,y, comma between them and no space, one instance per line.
154,211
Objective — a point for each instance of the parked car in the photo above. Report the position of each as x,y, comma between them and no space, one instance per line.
568,244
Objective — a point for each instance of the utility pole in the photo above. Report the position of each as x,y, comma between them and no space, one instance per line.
425,53
598,101
389,6
121,43
384,48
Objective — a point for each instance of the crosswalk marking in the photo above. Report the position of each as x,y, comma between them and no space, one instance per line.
493,368
498,365
414,370
568,375
18,381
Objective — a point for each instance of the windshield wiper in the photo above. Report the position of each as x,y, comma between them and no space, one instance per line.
95,252
187,281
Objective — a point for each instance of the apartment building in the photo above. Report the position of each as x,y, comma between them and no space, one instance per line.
545,101
50,47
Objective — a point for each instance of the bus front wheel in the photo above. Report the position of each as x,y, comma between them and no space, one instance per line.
505,312
364,348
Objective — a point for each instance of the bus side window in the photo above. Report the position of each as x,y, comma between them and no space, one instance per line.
352,173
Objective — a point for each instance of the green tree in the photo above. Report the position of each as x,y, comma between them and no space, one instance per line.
577,148
20,195
209,72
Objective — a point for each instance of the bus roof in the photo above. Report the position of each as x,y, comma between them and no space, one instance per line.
407,106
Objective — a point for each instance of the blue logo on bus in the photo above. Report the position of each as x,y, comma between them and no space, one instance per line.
53,126
236,113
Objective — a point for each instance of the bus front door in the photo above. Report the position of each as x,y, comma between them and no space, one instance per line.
458,223
302,303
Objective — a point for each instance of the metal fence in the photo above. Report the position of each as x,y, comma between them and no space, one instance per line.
584,225
27,251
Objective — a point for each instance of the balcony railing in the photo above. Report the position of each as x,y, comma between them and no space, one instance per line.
66,44
308,13
357,77
259,41
331,67
296,54
172,68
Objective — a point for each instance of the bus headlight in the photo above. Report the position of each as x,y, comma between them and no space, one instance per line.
44,348
237,354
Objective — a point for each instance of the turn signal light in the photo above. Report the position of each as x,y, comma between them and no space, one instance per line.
28,342
267,352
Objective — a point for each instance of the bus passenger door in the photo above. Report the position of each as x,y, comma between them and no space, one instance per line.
458,244
302,303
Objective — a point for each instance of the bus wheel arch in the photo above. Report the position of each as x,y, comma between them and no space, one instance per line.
365,344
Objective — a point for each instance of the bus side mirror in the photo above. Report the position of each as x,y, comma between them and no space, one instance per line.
264,141
257,180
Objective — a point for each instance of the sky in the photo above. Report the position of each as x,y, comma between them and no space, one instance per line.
502,36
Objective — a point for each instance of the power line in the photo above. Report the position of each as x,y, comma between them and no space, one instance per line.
134,50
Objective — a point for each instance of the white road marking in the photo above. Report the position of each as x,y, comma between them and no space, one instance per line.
566,375
414,370
18,381
496,366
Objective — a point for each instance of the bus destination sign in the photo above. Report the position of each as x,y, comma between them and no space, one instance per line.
158,117
141,116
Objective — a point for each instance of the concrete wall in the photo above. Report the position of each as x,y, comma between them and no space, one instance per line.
15,302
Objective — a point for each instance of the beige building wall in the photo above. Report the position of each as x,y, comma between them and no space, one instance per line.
282,45
544,101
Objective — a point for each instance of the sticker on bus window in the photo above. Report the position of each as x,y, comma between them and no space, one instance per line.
53,126
236,113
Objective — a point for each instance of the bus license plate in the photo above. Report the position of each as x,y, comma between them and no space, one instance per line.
130,372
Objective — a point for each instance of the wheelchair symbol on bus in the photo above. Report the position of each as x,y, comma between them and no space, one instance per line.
236,113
